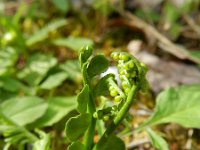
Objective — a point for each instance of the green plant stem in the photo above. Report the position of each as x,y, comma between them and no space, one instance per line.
24,130
89,135
120,116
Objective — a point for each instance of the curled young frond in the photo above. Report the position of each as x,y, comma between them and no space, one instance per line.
131,71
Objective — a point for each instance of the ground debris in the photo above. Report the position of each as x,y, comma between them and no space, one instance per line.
163,74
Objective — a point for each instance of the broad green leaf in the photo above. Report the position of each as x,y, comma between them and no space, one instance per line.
43,33
24,110
74,43
58,107
85,53
156,140
83,99
62,5
13,85
4,95
72,69
97,65
101,88
43,143
77,126
36,68
76,146
8,58
180,105
113,142
54,80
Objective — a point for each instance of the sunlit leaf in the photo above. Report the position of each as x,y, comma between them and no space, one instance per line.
8,58
72,69
180,105
74,43
43,33
36,68
54,80
156,140
58,107
24,110
3,127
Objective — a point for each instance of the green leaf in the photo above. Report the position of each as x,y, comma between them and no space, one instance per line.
43,33
13,85
77,126
43,143
24,110
72,69
62,5
8,58
97,65
113,142
58,107
3,128
74,43
102,86
83,99
36,68
76,146
85,53
54,80
180,105
18,135
156,140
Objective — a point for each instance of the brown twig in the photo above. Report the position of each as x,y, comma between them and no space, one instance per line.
162,42
137,143
192,24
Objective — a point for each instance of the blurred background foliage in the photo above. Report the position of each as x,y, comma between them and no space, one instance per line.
39,45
